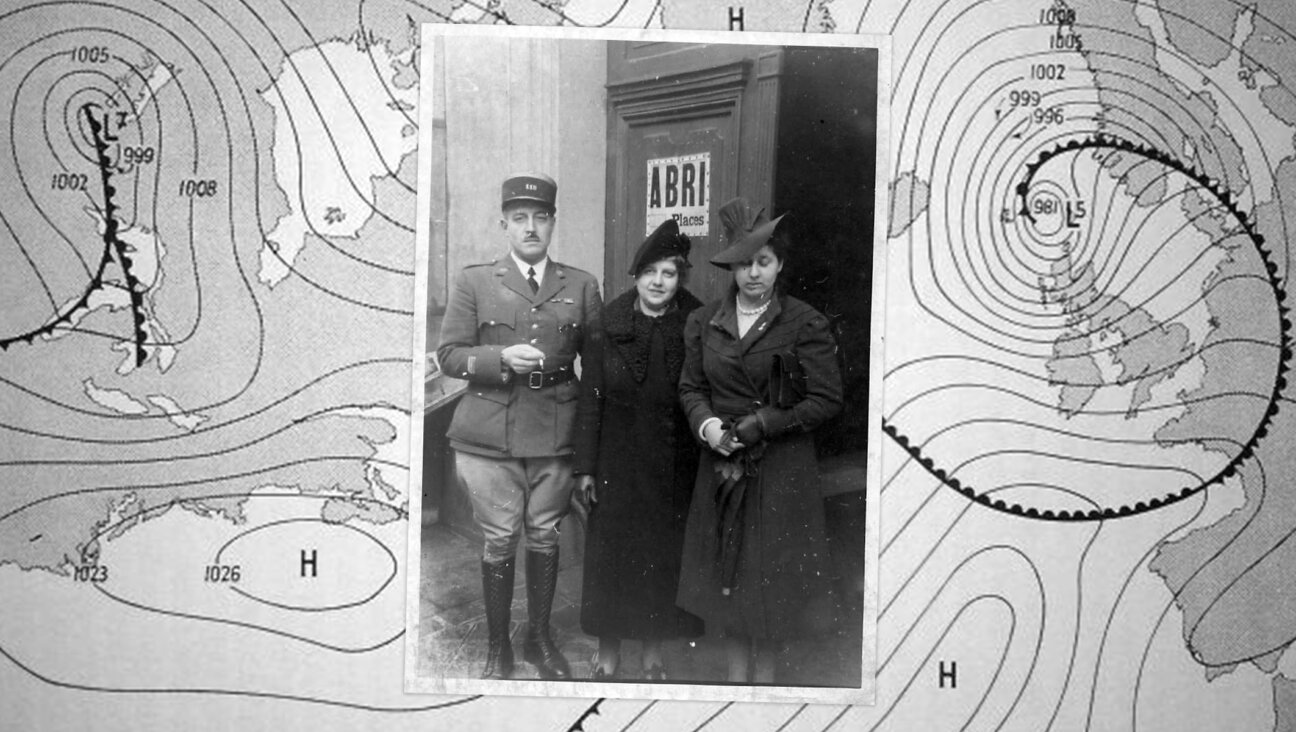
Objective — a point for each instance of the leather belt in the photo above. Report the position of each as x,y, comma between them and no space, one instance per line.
542,379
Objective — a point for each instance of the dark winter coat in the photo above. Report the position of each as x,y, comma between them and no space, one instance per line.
782,580
644,462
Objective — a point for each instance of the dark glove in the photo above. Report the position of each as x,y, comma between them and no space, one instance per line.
774,421
748,430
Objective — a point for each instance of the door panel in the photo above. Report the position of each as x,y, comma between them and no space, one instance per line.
689,101
709,136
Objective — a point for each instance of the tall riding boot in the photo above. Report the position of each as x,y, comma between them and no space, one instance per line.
497,589
539,649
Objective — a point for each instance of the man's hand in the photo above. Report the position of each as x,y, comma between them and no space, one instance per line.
522,358
720,440
585,490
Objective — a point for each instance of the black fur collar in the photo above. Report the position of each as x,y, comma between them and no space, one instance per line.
631,331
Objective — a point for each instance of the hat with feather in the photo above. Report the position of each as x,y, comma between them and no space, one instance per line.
746,229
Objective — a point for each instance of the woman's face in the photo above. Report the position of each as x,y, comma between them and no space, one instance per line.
657,284
755,279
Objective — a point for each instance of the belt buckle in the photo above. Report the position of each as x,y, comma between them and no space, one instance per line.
535,379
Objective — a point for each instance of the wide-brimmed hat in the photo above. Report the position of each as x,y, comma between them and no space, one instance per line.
746,231
665,241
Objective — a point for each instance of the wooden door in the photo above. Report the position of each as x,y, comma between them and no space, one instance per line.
690,126
659,158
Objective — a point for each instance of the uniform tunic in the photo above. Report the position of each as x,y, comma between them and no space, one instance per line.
783,567
513,434
491,308
645,462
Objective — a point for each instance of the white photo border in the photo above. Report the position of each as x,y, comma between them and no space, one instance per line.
866,692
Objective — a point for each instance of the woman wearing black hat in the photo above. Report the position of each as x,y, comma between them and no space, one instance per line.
760,373
637,471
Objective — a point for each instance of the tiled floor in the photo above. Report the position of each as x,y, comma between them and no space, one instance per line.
453,617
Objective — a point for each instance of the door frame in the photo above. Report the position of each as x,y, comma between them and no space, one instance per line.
699,82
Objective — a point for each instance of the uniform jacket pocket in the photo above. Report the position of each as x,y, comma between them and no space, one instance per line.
565,396
496,325
481,419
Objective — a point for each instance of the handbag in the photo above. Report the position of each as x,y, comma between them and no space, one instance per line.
787,382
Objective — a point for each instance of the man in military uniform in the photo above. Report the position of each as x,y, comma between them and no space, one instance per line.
514,329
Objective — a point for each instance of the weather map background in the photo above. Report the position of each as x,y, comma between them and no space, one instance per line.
207,243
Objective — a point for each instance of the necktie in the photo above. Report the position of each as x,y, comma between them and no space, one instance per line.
531,280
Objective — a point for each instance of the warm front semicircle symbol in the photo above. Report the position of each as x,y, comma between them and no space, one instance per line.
307,565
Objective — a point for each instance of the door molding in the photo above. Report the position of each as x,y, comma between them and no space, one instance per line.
737,95
713,92
699,92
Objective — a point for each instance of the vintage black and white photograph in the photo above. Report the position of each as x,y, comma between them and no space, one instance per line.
647,393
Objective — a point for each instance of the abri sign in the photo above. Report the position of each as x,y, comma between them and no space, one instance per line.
679,188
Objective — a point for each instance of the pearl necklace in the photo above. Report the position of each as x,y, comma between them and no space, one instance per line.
754,311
